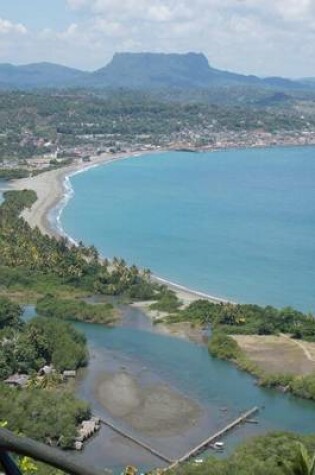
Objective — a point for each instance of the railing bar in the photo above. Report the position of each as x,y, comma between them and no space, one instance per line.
39,451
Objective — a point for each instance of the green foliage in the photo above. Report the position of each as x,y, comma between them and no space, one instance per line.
10,314
304,386
50,306
272,454
13,173
28,120
42,258
167,301
224,347
199,312
25,348
57,342
119,279
48,416
249,319
15,202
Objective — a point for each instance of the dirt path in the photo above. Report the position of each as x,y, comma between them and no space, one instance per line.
300,344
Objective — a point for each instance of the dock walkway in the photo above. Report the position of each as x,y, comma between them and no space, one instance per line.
192,453
206,443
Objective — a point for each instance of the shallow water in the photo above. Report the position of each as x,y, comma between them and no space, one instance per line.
187,368
238,224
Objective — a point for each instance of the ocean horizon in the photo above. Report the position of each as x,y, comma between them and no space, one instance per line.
236,224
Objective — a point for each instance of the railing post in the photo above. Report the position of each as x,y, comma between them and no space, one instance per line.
8,465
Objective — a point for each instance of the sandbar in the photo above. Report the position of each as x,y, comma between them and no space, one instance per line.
155,410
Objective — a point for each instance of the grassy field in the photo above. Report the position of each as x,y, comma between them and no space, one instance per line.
279,354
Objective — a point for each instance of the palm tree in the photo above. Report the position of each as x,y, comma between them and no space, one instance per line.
304,464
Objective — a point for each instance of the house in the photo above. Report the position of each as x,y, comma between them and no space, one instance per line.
47,369
17,380
69,373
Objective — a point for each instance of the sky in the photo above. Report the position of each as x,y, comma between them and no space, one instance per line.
262,37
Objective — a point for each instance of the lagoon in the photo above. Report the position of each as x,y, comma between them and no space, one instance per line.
137,349
188,369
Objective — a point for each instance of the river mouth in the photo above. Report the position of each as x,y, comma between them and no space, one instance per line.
169,393
133,356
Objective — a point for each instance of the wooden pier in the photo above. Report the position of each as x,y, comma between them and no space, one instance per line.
192,453
206,443
137,441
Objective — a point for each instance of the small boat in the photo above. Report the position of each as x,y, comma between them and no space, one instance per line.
198,460
217,446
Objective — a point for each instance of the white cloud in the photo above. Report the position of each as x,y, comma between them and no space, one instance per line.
7,27
265,37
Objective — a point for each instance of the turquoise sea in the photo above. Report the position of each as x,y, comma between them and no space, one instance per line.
238,224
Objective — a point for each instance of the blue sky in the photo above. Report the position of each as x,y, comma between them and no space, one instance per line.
39,14
264,37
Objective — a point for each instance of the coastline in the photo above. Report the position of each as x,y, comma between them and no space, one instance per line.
54,190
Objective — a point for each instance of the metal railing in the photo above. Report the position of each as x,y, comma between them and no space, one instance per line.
11,443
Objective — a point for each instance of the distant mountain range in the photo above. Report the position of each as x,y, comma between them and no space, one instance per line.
140,71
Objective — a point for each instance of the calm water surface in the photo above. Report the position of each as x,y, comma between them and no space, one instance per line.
187,368
238,224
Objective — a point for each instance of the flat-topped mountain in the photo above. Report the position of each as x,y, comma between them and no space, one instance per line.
158,70
138,71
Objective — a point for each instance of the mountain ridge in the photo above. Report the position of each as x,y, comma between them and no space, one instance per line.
138,71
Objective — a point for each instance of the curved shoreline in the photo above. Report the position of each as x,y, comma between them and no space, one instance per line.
54,190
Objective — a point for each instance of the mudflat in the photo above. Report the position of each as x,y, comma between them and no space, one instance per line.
155,410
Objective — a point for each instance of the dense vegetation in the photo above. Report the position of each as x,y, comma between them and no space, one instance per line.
44,409
38,259
248,319
37,123
10,314
25,348
51,416
69,309
167,301
224,347
13,173
274,454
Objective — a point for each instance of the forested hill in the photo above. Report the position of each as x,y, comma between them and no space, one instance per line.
39,75
139,71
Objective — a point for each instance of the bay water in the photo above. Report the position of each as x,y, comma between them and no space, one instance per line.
237,224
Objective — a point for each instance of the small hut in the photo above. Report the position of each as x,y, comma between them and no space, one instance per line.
17,380
71,373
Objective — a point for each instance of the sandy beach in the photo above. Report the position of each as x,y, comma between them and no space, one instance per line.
50,188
